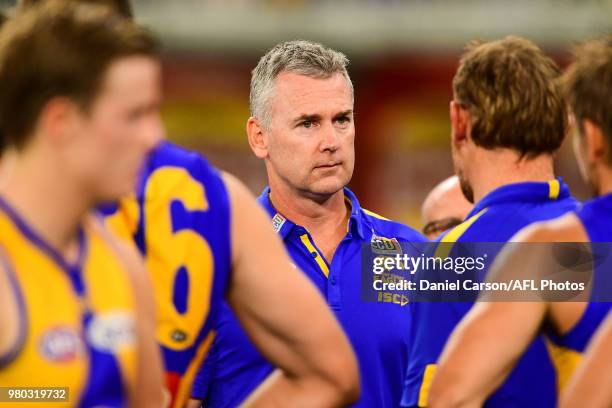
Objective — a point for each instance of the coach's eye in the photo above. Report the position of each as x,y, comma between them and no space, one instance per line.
307,124
343,120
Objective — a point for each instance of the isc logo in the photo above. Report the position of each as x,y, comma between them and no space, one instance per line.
396,298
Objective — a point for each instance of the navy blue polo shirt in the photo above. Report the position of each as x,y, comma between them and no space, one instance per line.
496,218
378,331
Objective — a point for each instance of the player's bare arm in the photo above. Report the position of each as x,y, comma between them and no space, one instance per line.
477,358
590,387
285,316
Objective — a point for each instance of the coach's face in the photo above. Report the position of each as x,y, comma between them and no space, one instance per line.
310,144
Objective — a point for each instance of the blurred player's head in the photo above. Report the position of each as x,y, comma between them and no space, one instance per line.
80,93
506,98
444,207
588,88
123,7
302,117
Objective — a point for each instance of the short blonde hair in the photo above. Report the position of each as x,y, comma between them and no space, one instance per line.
509,87
588,85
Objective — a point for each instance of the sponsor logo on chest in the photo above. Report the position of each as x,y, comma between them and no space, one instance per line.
112,332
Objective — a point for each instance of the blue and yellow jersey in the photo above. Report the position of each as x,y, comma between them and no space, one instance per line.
179,218
496,218
379,331
567,349
77,321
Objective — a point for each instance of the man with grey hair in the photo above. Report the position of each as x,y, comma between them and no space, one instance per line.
302,128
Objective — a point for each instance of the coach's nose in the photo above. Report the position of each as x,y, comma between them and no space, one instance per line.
330,140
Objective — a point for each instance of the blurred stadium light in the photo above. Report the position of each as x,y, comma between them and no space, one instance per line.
403,56
365,26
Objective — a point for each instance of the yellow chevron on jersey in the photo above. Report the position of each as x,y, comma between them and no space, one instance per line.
79,319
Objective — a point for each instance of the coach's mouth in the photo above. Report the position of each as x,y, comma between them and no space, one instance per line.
328,166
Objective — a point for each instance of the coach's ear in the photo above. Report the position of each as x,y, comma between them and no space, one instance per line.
597,150
460,122
257,137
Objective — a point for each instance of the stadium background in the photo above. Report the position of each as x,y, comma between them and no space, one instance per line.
403,56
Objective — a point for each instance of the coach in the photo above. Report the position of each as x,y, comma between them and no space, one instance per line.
302,127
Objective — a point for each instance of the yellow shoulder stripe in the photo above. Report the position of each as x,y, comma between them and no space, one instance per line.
373,214
453,235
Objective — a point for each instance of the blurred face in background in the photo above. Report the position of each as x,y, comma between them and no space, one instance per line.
580,151
107,145
592,153
444,208
309,146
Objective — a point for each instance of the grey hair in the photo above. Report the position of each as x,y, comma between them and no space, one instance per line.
301,57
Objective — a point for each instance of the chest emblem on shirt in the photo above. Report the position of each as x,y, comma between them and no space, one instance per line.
61,344
112,332
277,222
385,246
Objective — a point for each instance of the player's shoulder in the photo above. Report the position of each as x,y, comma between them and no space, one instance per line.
597,210
172,168
501,222
566,228
169,154
172,158
388,228
239,196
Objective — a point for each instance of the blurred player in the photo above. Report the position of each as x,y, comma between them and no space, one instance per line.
475,361
302,127
78,115
507,119
444,207
204,237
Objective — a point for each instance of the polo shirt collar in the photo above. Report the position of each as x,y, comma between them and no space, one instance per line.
283,226
554,189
